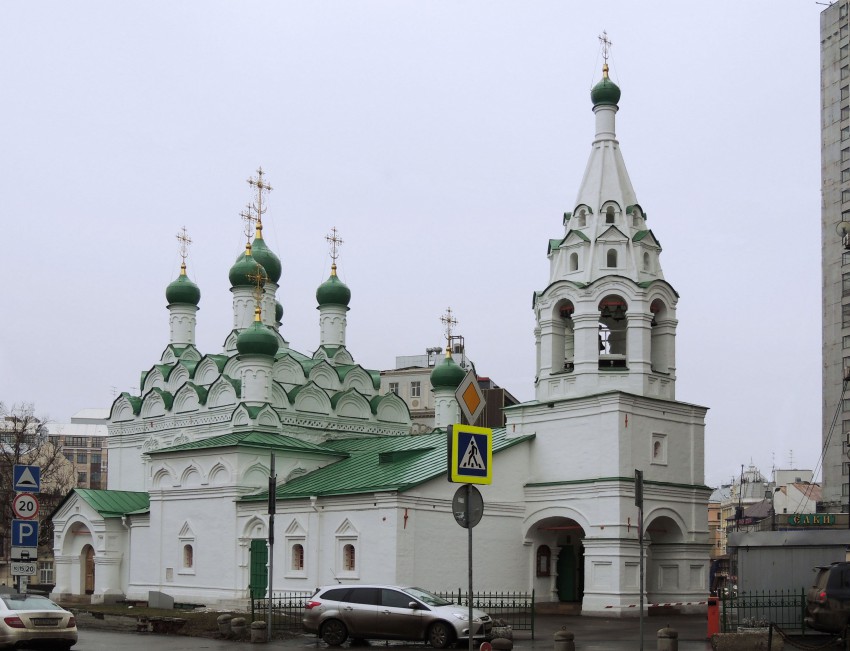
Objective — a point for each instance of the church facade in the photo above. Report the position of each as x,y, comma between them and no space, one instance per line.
358,498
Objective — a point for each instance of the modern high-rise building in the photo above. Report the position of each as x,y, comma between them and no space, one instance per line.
835,250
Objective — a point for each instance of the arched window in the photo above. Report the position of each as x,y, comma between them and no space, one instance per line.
573,261
609,215
647,265
297,557
611,258
565,326
582,218
613,325
544,561
188,557
348,561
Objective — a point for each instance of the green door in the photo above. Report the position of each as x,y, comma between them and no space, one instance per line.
259,571
566,574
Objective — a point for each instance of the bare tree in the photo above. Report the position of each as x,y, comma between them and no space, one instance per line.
25,440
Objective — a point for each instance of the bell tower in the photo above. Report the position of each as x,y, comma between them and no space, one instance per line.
605,405
607,318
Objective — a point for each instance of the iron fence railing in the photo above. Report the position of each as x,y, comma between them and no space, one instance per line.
287,609
786,608
516,609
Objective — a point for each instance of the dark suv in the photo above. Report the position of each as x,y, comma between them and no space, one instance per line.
828,600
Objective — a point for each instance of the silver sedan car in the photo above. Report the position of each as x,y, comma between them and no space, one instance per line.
28,618
389,612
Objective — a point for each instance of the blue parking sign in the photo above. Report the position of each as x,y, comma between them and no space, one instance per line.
24,533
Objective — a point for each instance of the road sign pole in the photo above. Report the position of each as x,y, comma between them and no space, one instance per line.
469,539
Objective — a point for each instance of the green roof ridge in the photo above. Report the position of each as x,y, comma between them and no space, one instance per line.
111,503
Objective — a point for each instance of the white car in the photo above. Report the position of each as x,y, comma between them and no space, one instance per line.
26,618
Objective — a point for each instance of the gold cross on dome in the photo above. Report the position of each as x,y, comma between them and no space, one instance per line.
259,280
606,45
335,241
261,186
185,241
248,218
449,321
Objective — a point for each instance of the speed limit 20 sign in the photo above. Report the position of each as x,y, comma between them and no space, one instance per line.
25,506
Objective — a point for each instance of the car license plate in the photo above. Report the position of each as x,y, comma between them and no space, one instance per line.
45,621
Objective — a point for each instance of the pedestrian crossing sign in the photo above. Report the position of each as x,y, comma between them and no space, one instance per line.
470,454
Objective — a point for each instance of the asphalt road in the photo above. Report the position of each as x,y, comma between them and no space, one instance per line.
90,640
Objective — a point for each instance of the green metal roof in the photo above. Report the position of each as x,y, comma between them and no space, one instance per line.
113,504
386,463
263,440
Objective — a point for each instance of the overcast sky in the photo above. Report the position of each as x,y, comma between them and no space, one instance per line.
444,139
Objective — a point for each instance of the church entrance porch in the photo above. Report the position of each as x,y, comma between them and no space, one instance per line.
558,548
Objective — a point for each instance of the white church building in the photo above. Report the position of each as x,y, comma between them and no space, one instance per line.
358,498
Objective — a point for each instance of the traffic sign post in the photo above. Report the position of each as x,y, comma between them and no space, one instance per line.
26,483
470,454
26,479
470,398
25,506
27,568
24,540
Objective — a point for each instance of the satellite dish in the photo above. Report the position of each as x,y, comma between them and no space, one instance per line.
843,228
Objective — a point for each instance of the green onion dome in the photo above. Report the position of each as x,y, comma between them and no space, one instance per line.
246,265
333,291
447,374
278,311
182,290
606,91
257,339
265,256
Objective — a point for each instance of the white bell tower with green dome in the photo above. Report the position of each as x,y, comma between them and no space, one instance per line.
607,318
605,406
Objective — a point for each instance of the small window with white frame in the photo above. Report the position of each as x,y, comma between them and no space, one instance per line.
296,545
394,387
186,538
415,389
659,449
347,542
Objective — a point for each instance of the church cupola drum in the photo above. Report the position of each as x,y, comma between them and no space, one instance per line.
607,319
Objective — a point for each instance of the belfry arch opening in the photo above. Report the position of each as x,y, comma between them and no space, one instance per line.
613,328
564,348
661,337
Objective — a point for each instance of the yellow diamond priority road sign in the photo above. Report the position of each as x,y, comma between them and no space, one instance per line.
470,398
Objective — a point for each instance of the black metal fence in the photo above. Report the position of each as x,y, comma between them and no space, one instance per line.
786,608
516,609
287,609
